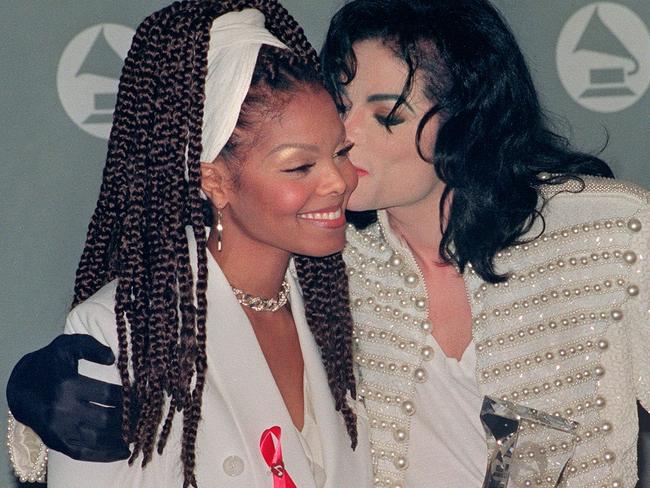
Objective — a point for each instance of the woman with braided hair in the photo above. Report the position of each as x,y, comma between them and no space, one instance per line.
222,121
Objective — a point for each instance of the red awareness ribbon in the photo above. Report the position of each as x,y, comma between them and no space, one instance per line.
271,449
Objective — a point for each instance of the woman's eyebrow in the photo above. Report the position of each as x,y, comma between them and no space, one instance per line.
296,145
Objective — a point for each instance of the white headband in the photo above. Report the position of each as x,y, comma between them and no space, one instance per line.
235,41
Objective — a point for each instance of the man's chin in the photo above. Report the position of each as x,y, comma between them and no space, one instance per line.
361,204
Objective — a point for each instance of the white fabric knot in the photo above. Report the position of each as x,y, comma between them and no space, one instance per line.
235,41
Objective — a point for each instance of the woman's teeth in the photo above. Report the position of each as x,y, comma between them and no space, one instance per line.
322,215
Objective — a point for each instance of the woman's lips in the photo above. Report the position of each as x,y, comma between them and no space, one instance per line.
361,172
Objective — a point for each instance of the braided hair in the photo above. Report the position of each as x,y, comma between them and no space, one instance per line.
150,193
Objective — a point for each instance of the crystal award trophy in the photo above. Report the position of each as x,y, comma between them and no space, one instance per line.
526,447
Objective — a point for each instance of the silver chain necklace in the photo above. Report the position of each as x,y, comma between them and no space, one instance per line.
260,304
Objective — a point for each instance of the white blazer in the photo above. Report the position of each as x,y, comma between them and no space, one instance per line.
240,401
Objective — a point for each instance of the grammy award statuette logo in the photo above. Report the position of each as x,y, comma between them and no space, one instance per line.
88,76
603,57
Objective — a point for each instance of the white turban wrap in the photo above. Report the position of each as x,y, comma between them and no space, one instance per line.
235,41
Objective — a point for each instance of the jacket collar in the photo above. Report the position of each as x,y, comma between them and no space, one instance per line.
239,373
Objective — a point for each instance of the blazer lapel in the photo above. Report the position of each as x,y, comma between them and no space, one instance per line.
337,455
238,371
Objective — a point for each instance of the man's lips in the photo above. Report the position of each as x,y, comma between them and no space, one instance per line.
361,171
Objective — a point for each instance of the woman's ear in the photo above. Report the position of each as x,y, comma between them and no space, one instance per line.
215,182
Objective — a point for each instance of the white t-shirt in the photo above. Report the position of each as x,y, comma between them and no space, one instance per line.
447,446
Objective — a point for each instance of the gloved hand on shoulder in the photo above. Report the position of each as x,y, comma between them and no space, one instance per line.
46,392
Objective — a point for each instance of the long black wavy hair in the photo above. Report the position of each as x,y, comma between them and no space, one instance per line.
137,233
494,147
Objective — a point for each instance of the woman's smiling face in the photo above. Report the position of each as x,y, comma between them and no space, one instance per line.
290,189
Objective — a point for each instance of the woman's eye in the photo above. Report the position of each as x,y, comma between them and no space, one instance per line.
304,168
343,153
389,122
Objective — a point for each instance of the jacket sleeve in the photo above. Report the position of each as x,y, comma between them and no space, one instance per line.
27,453
639,330
97,319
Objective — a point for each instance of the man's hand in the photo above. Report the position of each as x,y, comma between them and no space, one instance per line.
46,393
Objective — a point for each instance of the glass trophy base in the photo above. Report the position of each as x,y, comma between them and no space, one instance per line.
526,447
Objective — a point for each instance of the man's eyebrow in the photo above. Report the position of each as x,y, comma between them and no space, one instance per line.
382,97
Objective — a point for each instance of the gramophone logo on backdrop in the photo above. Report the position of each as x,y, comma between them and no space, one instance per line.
603,57
88,76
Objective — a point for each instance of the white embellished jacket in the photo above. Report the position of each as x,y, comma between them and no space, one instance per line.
568,333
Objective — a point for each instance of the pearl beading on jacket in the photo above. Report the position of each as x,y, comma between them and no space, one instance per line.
543,338
33,467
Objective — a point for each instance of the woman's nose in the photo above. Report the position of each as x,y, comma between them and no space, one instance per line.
333,181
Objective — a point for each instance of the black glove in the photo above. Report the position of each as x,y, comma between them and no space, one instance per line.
46,393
